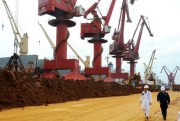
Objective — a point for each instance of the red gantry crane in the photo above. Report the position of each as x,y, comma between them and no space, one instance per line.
171,75
63,11
131,52
86,62
117,48
96,30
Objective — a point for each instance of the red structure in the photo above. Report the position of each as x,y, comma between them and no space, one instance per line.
171,75
63,10
131,52
95,31
117,48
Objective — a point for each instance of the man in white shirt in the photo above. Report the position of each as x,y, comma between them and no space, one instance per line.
178,116
146,100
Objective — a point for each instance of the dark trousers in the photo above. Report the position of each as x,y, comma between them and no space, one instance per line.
164,107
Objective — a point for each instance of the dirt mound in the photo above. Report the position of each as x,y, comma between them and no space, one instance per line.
33,92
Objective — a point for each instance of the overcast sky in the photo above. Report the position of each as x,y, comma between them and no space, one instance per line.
164,20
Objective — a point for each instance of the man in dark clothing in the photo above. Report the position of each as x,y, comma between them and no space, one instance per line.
164,99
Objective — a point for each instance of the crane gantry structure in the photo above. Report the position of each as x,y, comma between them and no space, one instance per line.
148,74
131,53
63,11
86,62
117,48
171,75
22,41
96,30
15,63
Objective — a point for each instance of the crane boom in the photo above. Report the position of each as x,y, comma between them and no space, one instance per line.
177,68
23,42
108,16
47,36
127,13
136,49
106,27
91,9
86,63
149,67
132,50
124,10
151,61
171,76
99,27
165,69
118,35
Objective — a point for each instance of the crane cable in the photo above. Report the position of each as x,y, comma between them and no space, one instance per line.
16,21
2,21
16,11
134,16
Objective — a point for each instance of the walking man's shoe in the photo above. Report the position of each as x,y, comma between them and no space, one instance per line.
164,118
146,117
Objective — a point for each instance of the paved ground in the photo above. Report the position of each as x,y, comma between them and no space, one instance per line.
123,108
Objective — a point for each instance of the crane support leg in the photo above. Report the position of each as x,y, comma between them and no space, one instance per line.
97,55
118,74
97,69
61,62
61,42
132,66
118,65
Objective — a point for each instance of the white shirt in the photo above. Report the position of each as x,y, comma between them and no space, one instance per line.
146,97
179,116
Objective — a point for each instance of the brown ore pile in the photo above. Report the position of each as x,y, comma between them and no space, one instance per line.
28,91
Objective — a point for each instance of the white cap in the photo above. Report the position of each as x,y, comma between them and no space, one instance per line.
146,86
162,88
